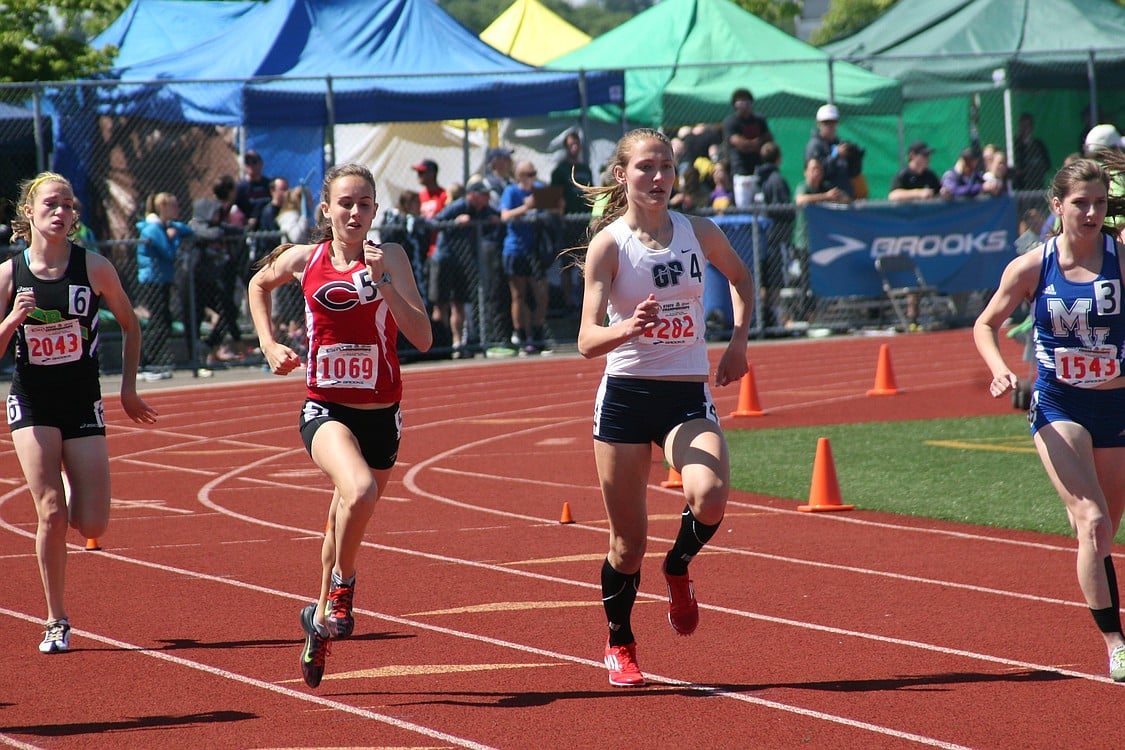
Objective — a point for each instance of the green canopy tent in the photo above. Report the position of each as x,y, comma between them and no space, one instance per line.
975,65
686,57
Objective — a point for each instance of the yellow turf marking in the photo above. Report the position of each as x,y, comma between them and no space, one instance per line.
565,558
511,420
503,607
414,670
1013,444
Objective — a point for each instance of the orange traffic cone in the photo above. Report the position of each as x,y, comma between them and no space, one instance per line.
884,374
674,479
92,544
748,405
824,494
566,517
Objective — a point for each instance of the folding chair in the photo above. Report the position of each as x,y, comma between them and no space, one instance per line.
904,286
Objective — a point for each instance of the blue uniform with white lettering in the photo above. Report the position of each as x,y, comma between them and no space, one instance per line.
1079,335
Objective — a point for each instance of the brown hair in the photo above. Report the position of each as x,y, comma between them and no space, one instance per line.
323,230
1079,171
21,224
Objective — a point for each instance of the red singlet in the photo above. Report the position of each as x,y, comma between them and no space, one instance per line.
353,355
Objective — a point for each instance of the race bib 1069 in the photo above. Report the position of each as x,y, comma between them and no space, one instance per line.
347,366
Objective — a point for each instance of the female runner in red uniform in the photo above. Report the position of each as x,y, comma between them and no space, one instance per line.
358,295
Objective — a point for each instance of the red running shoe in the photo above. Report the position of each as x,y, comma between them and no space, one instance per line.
621,661
338,612
683,610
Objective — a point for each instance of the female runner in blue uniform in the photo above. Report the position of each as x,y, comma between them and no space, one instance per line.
1077,414
50,295
644,275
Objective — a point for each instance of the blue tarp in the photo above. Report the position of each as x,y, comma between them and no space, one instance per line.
449,72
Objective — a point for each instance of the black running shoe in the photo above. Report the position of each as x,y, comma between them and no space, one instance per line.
315,650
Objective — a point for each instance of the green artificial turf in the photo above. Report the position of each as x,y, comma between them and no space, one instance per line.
978,470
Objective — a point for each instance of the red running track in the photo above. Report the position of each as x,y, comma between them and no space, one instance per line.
479,622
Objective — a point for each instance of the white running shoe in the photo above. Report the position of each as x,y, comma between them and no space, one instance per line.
56,638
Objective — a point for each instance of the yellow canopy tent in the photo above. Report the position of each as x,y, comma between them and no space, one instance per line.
532,33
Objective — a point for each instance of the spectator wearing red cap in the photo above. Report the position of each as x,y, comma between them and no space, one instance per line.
432,195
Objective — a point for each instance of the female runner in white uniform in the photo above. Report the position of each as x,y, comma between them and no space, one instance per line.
643,310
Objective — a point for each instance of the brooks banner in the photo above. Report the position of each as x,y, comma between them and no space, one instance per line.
959,246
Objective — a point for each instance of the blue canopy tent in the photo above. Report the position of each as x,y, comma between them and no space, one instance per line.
289,70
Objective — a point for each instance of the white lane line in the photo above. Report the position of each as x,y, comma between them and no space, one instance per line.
256,683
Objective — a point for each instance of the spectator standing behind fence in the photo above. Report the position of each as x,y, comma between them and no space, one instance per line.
498,173
405,225
358,296
690,195
1033,161
50,294
156,272
744,134
1077,410
643,311
722,195
455,276
824,144
964,179
253,190
775,263
569,173
432,197
525,264
995,178
916,181
214,277
815,188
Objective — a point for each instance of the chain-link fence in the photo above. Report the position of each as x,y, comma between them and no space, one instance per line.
118,160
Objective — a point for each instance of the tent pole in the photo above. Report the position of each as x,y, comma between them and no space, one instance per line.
330,125
465,155
831,80
40,151
583,118
1092,80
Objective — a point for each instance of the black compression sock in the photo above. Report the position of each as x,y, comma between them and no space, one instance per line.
619,592
1109,619
691,538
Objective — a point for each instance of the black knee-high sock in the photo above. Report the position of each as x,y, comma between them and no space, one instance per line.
693,535
619,591
1109,619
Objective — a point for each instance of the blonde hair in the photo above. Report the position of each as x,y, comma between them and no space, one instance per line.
21,224
617,200
613,194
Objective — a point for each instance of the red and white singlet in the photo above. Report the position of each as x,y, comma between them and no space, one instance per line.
353,355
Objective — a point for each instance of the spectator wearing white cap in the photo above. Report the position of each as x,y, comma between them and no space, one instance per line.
1100,142
824,144
1101,138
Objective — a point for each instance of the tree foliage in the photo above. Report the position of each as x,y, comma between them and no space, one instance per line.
780,13
845,17
50,41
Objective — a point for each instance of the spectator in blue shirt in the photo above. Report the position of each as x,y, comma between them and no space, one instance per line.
156,272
